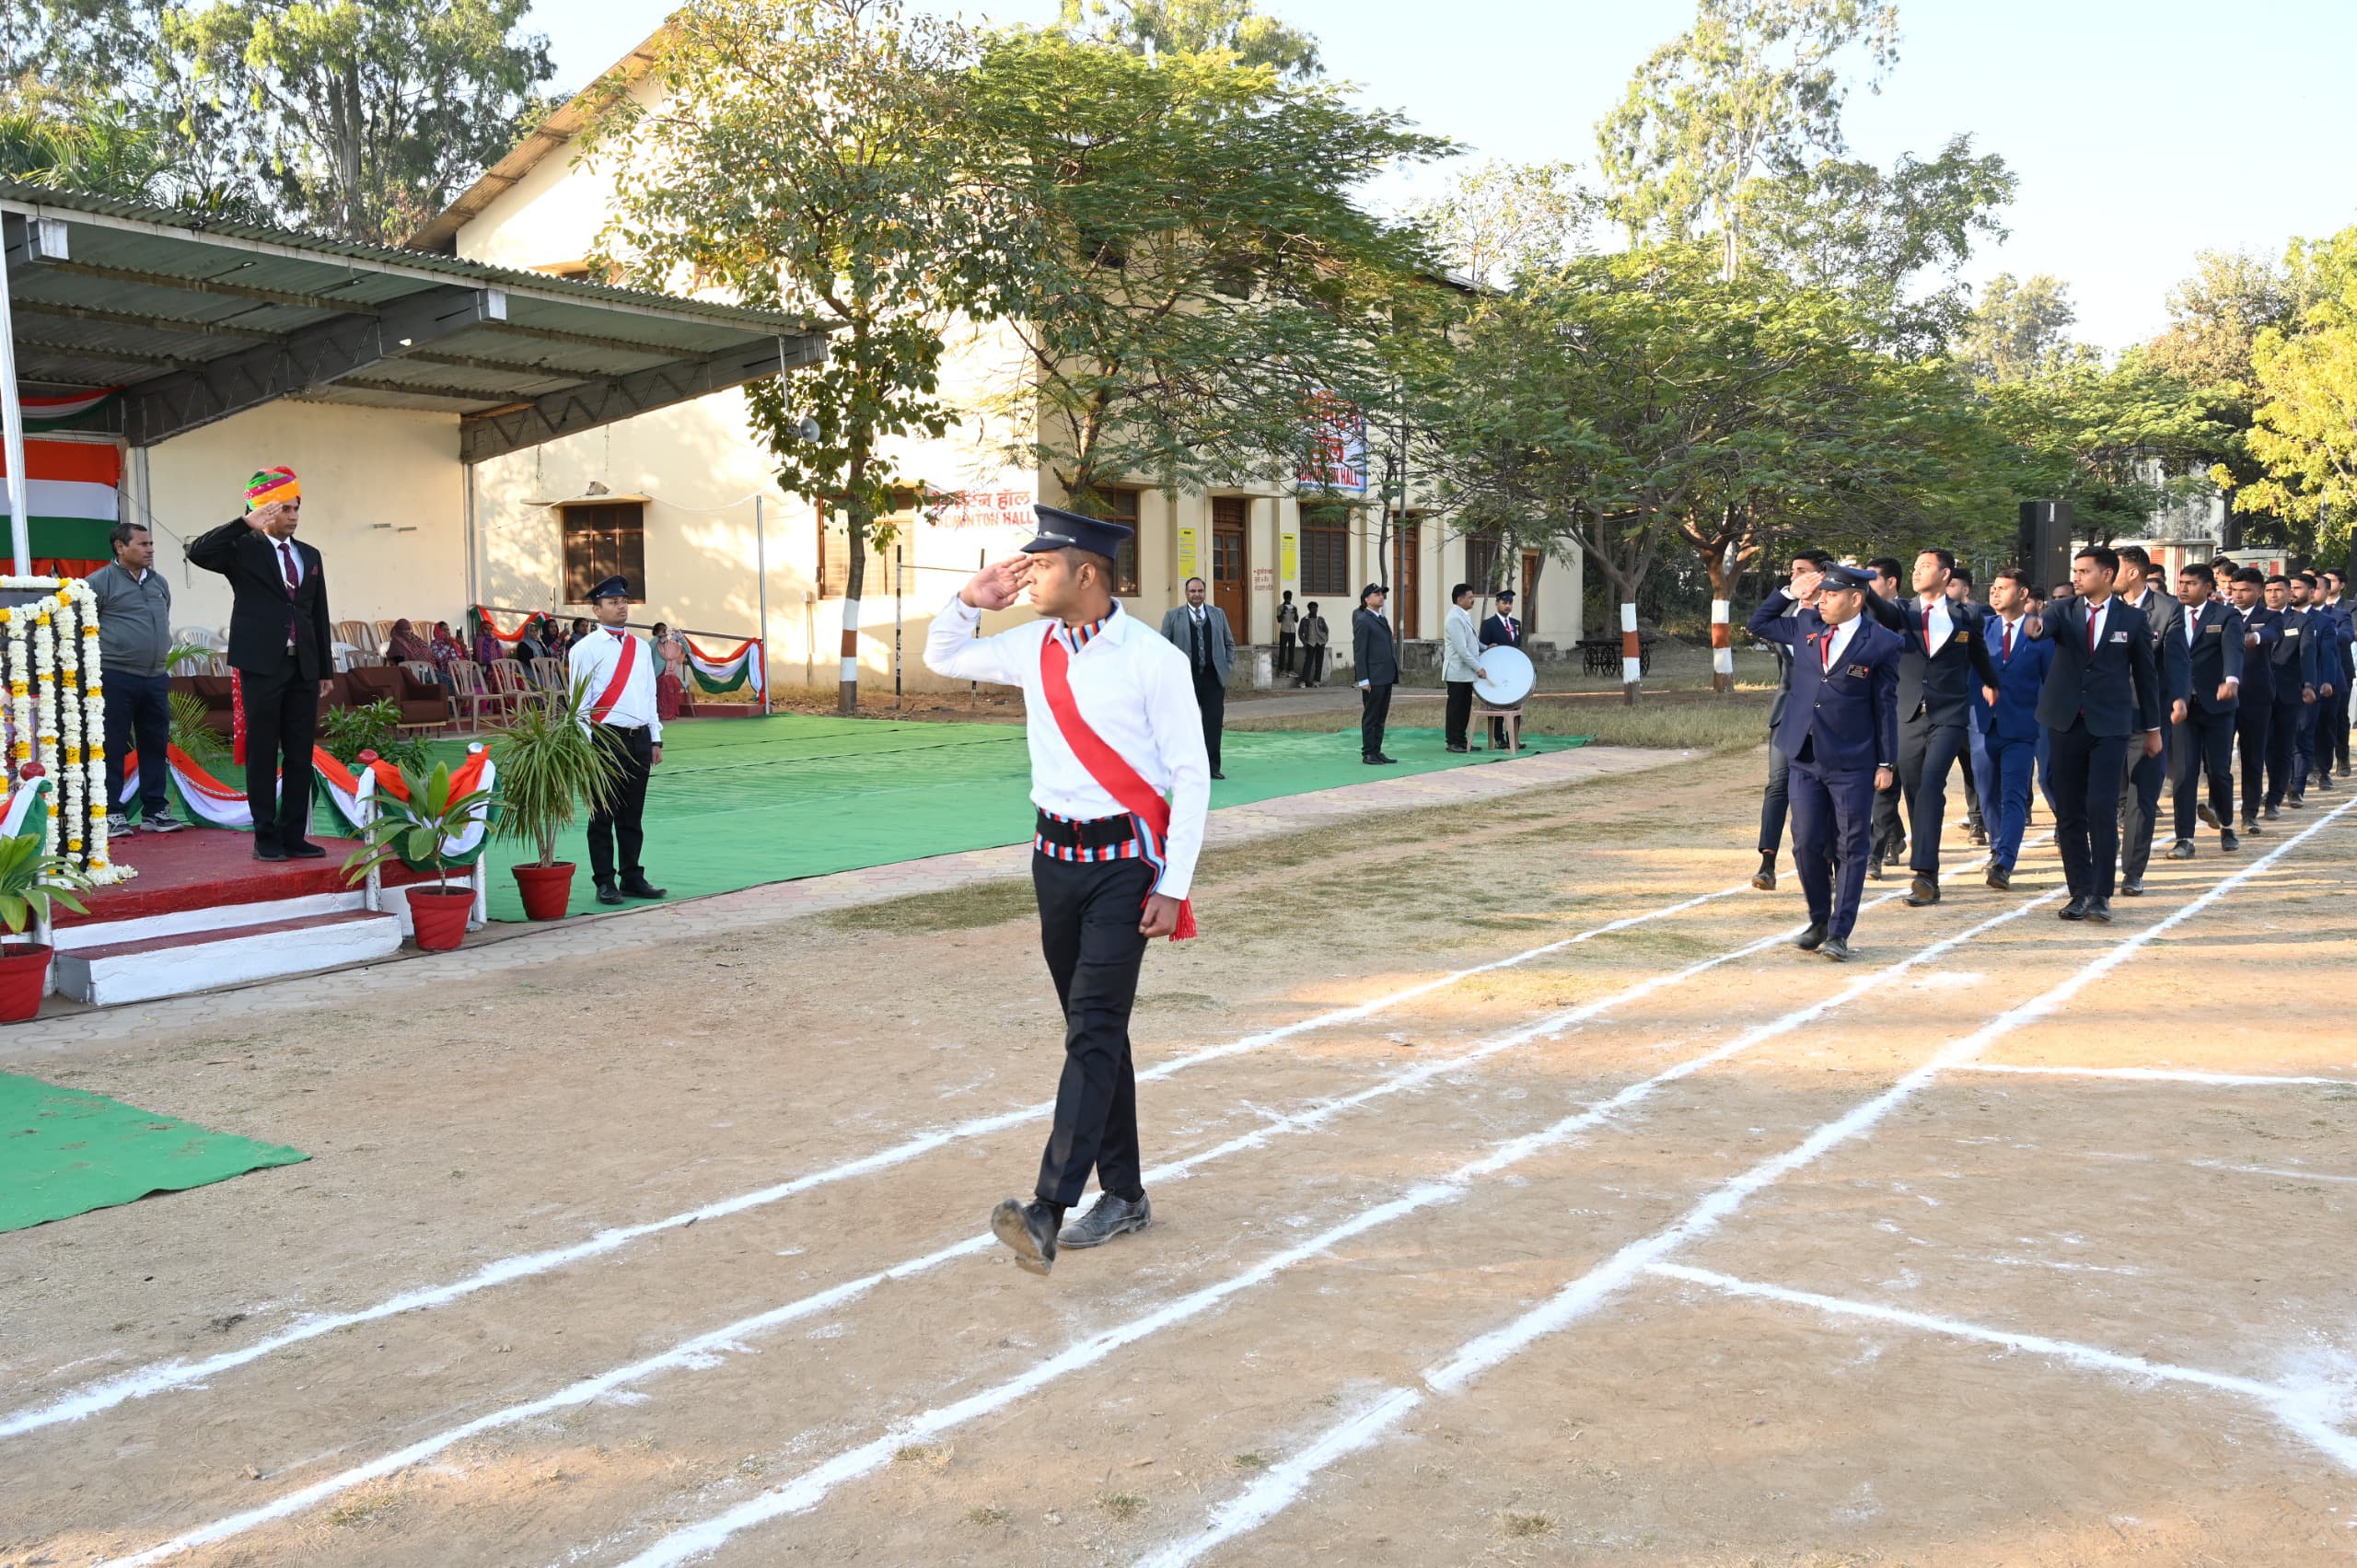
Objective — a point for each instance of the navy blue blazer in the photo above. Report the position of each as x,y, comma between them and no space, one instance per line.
1939,686
2117,689
1846,718
2333,655
2021,675
2276,662
2166,614
2215,656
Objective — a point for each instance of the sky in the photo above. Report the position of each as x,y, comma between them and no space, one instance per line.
2143,131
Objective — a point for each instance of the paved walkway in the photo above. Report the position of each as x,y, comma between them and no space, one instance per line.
500,947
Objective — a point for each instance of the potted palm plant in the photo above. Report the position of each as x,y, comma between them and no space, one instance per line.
415,832
550,767
31,883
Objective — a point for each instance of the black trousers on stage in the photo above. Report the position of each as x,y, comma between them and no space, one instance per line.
2087,773
618,822
1211,699
1375,712
1457,713
282,722
1926,752
1089,932
2203,746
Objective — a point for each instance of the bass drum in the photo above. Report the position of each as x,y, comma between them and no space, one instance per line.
1509,677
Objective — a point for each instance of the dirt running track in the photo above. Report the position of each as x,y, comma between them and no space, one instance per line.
1663,1244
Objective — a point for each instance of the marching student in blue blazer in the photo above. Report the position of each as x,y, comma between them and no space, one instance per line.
2022,661
1839,734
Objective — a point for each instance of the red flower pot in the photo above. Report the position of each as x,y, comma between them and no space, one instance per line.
547,889
24,975
438,916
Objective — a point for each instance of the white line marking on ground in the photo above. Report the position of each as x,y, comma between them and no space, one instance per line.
808,1490
2294,1174
163,1376
1278,1487
2161,1076
2309,1411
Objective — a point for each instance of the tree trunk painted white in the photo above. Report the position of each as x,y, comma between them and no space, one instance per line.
1631,653
1721,647
850,676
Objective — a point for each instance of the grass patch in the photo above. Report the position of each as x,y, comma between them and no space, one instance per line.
1526,1525
1691,720
1254,1461
1123,1505
360,1510
988,1513
968,907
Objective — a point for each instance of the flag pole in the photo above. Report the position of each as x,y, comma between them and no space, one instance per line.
12,427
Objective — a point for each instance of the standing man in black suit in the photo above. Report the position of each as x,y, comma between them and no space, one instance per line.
1375,662
2292,671
1501,631
2259,630
278,644
1890,834
2140,800
1945,657
1804,579
2102,695
2204,738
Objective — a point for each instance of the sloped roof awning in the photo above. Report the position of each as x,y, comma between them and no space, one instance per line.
197,320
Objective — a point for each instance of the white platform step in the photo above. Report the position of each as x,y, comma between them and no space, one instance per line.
117,961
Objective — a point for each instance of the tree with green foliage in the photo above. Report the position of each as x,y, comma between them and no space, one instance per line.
813,157
2303,435
1155,28
2022,326
1498,221
2091,435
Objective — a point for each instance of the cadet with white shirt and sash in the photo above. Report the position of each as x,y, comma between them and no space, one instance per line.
618,668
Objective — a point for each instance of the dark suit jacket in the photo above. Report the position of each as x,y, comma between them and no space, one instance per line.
2021,676
2217,653
260,608
2118,688
1373,657
1846,717
2334,634
1937,686
2265,668
1501,631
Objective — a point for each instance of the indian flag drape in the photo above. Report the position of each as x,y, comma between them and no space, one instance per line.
217,804
718,674
484,619
70,498
24,801
54,414
204,796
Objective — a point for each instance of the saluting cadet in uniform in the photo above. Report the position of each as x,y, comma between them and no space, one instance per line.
2013,733
1122,779
2205,736
2140,800
618,668
1945,657
1841,733
2102,693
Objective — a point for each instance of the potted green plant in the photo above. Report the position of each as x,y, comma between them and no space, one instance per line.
31,883
413,831
550,767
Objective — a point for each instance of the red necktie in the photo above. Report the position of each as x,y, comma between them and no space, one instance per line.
1826,652
2006,627
2093,614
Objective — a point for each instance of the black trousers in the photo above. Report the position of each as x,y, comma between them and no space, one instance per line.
2140,806
282,722
1459,710
1775,801
2254,740
2088,775
2204,747
1089,932
1926,752
1211,697
1888,831
1374,711
1284,652
2332,733
2282,753
1313,663
139,719
618,822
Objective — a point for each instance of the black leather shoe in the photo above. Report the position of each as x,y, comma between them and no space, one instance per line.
2000,877
1837,948
609,894
268,851
2227,842
2099,911
1385,760
2251,827
2181,849
1030,1230
2323,781
640,888
2209,817
2270,814
1809,941
1456,750
1107,1218
2076,910
1873,868
1978,837
1217,774
2131,886
1765,877
304,848
1922,891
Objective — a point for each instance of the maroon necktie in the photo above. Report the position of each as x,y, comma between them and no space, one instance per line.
287,564
2093,614
2006,627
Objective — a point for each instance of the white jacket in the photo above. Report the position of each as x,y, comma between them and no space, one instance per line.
1461,649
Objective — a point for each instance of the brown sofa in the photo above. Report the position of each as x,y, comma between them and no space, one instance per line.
420,702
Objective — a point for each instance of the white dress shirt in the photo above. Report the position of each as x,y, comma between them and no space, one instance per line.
2097,615
1135,691
593,659
1937,621
1836,642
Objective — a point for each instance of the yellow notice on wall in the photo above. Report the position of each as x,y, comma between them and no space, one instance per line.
1188,566
1289,557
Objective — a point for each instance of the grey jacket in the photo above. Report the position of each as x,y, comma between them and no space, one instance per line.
135,620
1219,643
1460,657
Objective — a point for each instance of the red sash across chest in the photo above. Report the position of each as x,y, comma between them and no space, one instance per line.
1108,767
620,684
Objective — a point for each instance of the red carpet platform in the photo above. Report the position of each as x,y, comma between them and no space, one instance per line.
202,868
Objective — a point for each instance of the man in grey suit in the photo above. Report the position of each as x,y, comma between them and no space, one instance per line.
2139,798
1201,632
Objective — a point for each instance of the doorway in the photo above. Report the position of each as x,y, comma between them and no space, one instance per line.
1407,576
1229,571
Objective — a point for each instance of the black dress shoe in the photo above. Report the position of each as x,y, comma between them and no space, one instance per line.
1922,891
1030,1230
268,851
2076,910
1809,941
1107,1218
2270,814
1874,867
1837,948
1459,750
1217,774
1387,760
609,894
2131,886
2099,911
303,849
2250,826
2209,817
2181,849
1765,877
2000,877
2227,842
640,888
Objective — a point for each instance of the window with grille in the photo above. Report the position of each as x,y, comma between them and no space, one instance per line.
1121,507
1481,563
1325,551
834,556
605,541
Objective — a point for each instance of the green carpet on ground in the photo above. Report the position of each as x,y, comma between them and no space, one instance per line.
740,802
64,1152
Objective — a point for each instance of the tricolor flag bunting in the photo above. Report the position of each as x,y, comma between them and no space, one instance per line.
484,619
56,413
24,802
216,804
205,797
716,674
70,498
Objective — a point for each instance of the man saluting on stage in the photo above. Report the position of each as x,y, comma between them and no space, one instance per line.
1841,733
1122,779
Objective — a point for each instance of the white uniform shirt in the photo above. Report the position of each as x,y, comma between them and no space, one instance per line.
1136,692
1837,644
593,659
1933,614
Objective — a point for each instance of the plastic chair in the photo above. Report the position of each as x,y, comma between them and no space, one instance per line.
469,693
